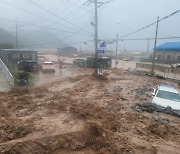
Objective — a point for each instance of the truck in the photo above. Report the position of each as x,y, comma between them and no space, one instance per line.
89,62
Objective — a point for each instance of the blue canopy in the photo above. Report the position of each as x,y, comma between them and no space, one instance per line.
169,46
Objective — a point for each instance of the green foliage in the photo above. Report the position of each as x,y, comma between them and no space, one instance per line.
16,73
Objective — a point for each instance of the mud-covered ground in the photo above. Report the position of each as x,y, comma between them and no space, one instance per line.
84,114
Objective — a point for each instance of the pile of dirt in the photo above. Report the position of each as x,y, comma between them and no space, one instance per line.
72,141
12,129
163,131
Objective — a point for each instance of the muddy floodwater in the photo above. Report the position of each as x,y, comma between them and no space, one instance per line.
74,112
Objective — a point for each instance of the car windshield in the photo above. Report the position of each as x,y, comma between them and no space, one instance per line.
169,95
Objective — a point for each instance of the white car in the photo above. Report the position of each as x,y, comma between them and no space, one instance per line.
165,95
48,67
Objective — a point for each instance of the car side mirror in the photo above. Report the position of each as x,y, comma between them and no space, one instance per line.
152,94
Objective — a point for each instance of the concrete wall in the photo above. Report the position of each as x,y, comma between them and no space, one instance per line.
174,56
156,67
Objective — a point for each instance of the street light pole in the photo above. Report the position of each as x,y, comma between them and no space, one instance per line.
117,39
17,46
148,48
155,46
96,36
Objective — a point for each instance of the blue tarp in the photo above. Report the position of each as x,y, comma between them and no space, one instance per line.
169,46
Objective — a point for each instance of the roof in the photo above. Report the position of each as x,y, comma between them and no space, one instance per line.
16,50
80,58
169,88
68,47
169,46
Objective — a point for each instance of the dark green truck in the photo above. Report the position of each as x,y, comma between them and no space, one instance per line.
89,62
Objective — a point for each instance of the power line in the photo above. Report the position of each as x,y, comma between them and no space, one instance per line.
80,17
73,13
52,13
49,28
53,9
61,45
143,39
150,24
80,7
149,32
32,13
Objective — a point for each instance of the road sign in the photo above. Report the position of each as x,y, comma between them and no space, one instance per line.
100,51
103,45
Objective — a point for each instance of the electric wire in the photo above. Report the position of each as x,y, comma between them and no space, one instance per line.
74,13
32,13
49,28
150,24
53,14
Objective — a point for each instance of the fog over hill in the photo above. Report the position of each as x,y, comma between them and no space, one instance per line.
31,39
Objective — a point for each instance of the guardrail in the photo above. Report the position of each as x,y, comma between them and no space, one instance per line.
7,73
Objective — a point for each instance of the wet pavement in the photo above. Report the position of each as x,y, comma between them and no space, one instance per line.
4,84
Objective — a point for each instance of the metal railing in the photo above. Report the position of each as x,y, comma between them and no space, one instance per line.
7,73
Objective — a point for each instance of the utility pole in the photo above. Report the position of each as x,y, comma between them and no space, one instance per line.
96,36
148,48
155,46
117,40
80,50
17,45
96,3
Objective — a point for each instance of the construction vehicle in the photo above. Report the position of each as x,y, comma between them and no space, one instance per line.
89,62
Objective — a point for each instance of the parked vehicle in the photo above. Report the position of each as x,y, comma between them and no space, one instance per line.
165,95
27,66
80,62
103,62
48,67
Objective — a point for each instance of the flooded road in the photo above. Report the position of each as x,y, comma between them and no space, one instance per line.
41,78
122,65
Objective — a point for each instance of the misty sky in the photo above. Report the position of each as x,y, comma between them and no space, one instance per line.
70,20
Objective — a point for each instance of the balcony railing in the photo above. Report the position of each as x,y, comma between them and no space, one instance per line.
7,73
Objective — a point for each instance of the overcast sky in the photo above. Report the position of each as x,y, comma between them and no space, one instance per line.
70,19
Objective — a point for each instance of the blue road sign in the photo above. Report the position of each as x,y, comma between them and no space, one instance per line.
103,45
100,51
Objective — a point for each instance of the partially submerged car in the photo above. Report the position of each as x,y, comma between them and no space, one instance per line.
48,67
165,95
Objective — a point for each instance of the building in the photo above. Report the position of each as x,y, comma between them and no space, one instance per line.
168,53
67,51
11,56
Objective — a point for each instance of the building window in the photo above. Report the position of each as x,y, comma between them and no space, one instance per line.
15,55
25,55
159,57
178,58
168,57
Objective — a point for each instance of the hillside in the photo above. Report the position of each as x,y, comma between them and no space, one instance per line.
31,39
6,37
